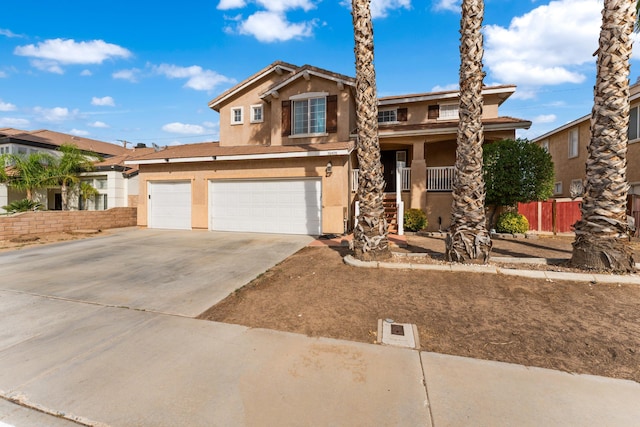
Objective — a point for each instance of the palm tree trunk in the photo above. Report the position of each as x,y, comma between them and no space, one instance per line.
64,196
370,234
602,232
468,240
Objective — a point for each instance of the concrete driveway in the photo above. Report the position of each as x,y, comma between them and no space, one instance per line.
171,272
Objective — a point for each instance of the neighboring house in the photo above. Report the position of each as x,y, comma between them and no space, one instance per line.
114,181
285,162
568,148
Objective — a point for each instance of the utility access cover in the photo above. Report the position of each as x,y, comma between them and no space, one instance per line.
397,334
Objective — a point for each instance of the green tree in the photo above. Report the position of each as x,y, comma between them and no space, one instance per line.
25,173
516,171
370,234
65,170
601,241
468,239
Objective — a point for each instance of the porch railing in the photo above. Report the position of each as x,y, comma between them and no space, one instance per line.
440,178
404,172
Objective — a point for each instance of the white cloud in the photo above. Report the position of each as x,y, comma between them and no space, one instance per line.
284,5
445,88
7,106
98,124
197,77
105,101
451,5
381,8
183,128
209,124
12,122
47,65
3,75
273,27
231,4
78,132
545,118
56,114
545,46
8,33
130,75
72,52
86,73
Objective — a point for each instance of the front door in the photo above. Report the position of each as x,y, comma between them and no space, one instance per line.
389,167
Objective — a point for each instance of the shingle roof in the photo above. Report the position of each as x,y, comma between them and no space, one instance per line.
213,149
56,139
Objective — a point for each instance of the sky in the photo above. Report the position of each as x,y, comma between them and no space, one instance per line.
144,72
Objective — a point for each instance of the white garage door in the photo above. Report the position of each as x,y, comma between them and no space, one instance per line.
169,205
288,206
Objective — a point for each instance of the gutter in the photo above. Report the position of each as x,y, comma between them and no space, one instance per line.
263,156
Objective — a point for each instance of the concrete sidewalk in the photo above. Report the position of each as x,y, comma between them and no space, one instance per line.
113,366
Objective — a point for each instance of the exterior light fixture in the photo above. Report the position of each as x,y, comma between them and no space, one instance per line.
329,169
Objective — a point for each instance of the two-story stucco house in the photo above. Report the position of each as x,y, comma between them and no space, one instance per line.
116,183
568,144
285,162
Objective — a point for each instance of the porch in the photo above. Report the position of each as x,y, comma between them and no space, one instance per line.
409,192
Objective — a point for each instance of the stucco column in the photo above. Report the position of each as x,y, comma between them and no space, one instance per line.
4,196
418,178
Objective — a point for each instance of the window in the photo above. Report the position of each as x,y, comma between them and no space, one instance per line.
387,116
22,150
448,112
573,143
557,188
257,113
236,115
545,145
309,116
634,124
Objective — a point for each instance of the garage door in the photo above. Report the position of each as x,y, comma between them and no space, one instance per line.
170,205
288,206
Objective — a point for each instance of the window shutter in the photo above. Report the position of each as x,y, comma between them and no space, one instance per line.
402,114
434,111
332,113
286,118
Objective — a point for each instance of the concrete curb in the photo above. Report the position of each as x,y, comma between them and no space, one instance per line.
551,276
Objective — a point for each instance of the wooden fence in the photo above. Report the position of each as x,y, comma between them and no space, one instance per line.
555,216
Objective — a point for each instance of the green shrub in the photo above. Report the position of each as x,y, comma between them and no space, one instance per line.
23,205
414,220
511,222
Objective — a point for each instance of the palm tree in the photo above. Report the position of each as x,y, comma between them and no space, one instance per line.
468,239
602,232
25,173
370,234
87,192
66,169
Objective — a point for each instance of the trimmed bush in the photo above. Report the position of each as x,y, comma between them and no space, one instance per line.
23,205
415,220
512,223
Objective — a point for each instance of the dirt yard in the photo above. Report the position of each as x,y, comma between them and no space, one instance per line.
576,327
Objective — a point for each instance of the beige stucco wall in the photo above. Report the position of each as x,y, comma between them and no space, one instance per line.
335,191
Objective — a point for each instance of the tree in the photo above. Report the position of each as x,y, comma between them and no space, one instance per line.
370,234
64,170
25,173
516,171
468,239
601,241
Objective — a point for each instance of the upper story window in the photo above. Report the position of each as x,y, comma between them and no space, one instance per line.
314,114
545,145
236,115
448,112
634,124
387,116
257,113
573,143
309,115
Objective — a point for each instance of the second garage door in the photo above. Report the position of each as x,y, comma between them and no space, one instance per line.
288,206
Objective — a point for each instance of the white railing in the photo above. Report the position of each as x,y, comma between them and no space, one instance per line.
440,178
404,172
